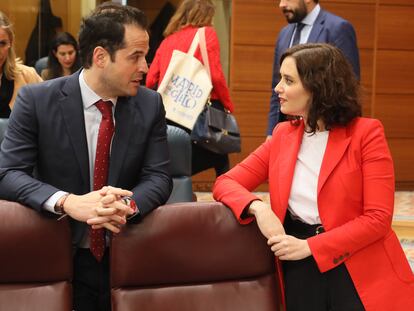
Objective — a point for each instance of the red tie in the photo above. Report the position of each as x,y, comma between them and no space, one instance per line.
100,174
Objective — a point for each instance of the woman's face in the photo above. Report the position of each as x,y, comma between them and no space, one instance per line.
4,47
65,55
293,97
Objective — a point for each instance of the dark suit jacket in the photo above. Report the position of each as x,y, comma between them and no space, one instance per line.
328,28
45,147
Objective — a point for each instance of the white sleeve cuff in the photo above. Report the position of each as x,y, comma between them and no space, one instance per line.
49,205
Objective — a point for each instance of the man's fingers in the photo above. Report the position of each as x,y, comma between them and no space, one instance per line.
106,211
119,208
111,227
108,198
98,220
102,219
119,191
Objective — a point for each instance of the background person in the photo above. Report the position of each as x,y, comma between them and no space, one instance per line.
189,17
63,58
331,184
92,138
13,74
316,25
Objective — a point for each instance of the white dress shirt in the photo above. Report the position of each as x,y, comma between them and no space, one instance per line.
303,199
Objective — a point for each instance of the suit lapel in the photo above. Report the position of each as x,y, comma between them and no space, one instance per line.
285,43
337,144
288,153
72,112
317,27
124,115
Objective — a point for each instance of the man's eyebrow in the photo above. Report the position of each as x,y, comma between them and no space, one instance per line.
138,52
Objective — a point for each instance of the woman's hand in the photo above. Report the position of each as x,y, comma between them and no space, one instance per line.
267,221
287,247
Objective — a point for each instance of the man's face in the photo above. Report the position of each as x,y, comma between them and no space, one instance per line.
294,10
122,76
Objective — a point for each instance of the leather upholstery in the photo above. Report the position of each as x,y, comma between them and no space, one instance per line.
179,145
192,256
36,260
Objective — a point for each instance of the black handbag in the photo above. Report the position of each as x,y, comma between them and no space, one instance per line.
216,130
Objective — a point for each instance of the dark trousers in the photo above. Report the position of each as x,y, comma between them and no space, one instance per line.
203,159
91,290
306,288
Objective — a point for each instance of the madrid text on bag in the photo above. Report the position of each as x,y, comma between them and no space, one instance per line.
186,86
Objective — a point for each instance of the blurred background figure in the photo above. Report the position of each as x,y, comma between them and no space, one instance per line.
46,27
189,17
13,73
63,59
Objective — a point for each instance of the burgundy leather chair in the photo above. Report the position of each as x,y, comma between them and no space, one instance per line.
195,257
35,260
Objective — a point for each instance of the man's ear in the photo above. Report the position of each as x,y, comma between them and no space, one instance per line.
100,57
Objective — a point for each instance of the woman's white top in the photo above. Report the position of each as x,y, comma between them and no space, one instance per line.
303,200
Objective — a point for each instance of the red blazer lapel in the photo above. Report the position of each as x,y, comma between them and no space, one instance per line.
338,142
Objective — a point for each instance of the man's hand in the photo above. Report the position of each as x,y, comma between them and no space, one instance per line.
267,221
287,247
113,214
101,205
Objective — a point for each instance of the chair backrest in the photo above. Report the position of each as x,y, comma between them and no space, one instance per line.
41,64
195,257
35,260
179,145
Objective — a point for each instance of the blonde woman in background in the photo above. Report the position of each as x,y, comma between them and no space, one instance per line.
189,17
13,74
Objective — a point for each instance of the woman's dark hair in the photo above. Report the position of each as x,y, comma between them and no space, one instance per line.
105,27
55,69
328,76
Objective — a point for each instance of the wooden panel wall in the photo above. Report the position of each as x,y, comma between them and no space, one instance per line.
23,15
385,33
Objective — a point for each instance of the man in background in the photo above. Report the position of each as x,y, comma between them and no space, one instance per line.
309,23
92,146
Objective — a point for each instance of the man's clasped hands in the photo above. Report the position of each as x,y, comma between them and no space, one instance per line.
104,208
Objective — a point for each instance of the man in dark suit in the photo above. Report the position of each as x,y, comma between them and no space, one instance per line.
92,146
309,23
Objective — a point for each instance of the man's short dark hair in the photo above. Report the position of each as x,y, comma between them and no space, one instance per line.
105,27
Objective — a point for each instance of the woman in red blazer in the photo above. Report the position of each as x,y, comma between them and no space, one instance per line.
331,184
180,32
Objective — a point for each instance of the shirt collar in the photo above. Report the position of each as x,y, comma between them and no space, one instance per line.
89,97
312,16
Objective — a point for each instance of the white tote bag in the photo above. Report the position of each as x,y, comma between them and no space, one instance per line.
186,85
